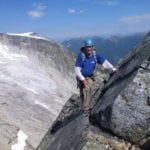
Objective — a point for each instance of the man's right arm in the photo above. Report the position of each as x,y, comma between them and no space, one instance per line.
78,67
81,77
78,73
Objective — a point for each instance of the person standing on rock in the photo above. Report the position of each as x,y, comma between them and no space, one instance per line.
85,66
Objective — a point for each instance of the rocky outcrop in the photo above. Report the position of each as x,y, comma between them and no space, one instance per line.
131,112
129,115
36,79
111,109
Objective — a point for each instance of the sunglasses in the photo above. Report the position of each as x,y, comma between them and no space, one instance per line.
89,46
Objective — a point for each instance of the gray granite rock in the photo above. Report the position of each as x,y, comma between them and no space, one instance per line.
34,85
131,113
122,108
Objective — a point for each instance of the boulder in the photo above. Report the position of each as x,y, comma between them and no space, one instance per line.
123,108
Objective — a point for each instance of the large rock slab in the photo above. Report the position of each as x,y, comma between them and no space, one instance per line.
127,114
131,112
32,93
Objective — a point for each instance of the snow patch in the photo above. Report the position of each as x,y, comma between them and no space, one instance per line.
5,53
41,104
3,47
28,34
21,141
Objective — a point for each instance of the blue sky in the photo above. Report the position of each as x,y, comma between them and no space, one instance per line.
61,19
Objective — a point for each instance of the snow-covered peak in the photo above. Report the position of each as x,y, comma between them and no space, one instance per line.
28,34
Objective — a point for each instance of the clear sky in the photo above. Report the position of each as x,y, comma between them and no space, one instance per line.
60,19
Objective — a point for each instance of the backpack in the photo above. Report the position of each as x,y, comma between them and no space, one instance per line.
82,49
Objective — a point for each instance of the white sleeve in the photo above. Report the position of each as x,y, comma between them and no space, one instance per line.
108,65
79,74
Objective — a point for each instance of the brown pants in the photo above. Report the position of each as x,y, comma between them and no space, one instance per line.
85,94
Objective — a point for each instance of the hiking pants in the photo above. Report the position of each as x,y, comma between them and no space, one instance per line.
85,94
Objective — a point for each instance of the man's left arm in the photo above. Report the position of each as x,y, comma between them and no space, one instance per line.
106,64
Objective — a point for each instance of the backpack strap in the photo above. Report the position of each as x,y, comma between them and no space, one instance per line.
82,49
83,53
94,54
83,56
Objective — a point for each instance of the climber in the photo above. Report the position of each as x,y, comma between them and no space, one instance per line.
84,69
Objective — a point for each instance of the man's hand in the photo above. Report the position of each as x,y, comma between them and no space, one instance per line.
115,70
85,83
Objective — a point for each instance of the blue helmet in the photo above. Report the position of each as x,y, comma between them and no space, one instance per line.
88,42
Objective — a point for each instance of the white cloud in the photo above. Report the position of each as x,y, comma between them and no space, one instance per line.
136,19
38,11
111,2
35,14
137,23
39,6
73,11
103,2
